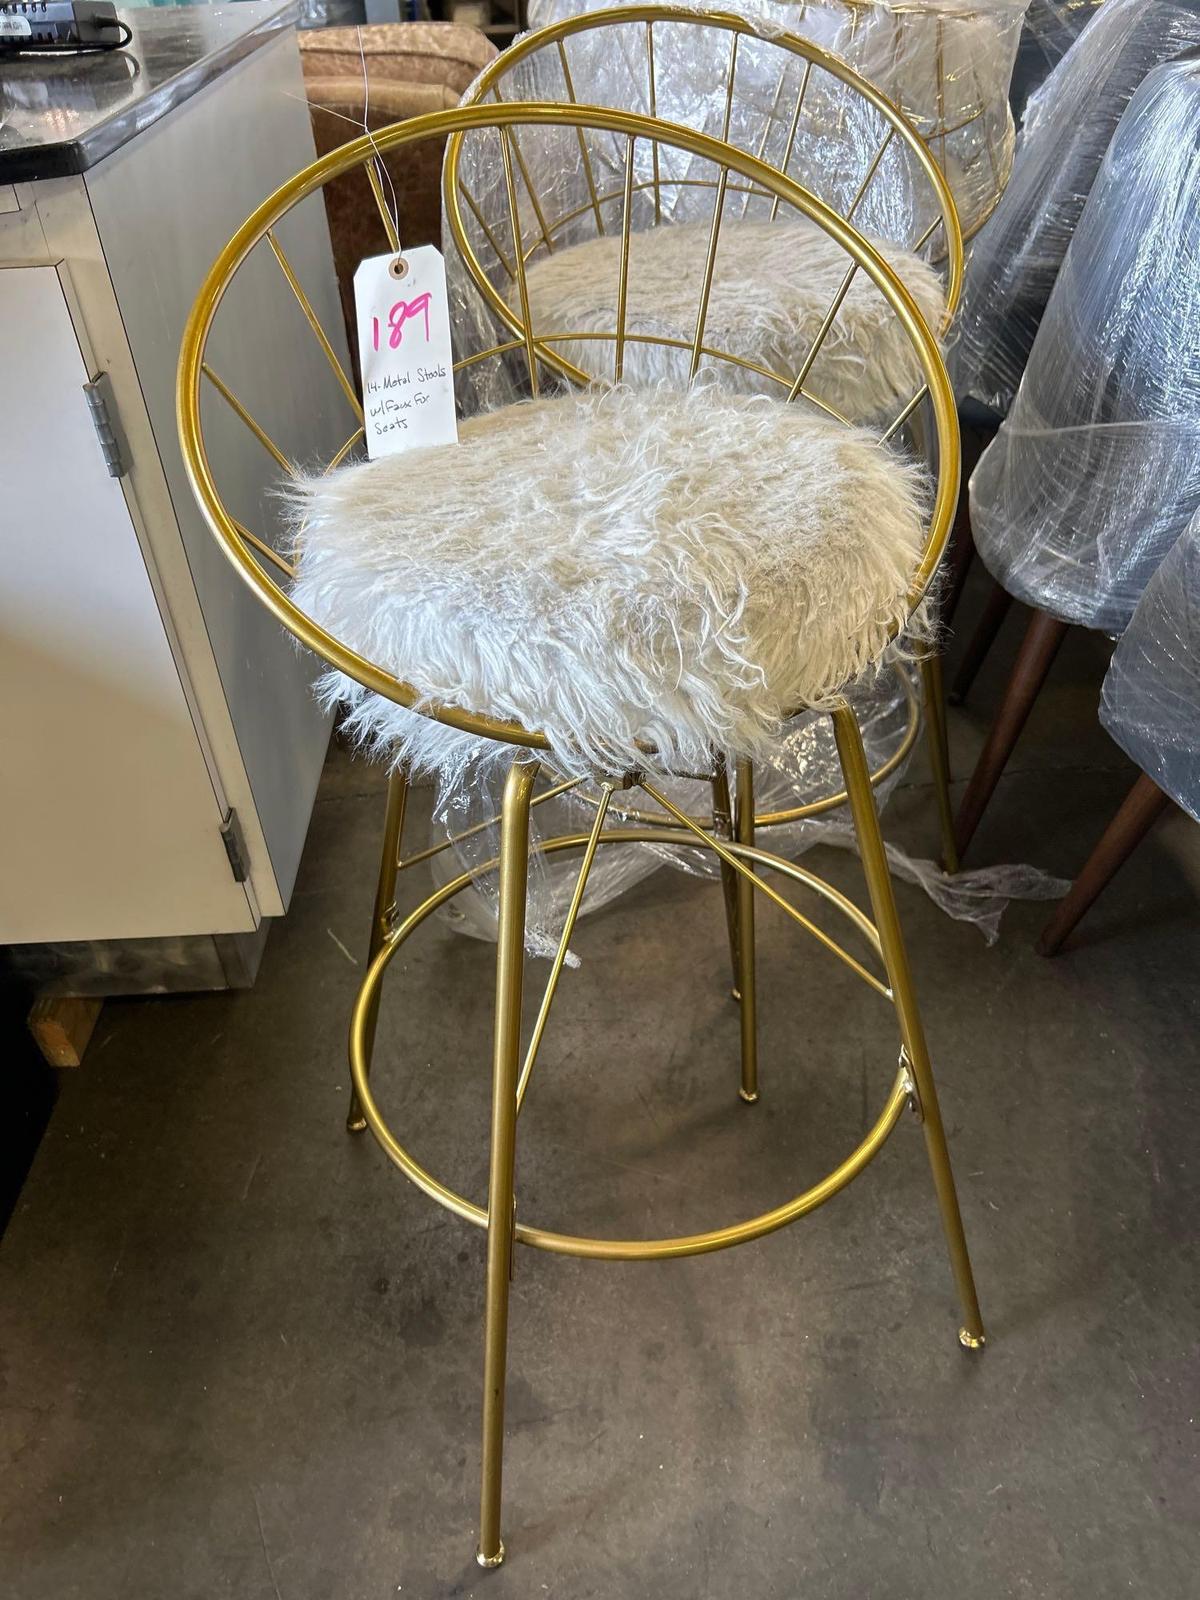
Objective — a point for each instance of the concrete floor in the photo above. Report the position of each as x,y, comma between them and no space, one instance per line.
241,1355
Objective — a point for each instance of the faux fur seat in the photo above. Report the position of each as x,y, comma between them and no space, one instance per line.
614,566
772,287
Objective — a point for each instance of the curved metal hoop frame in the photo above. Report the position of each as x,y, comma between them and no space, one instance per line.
640,20
362,1027
244,549
942,128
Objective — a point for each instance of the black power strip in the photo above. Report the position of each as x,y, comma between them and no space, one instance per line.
61,25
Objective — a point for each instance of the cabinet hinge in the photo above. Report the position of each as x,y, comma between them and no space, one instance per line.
113,445
235,846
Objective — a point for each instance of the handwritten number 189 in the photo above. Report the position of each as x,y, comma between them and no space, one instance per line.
403,311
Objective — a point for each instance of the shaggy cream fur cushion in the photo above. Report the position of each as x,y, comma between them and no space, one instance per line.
613,567
772,287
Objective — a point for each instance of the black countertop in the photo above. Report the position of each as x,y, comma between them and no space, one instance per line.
61,114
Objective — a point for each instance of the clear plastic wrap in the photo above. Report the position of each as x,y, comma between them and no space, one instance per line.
946,63
1150,702
1051,28
1096,470
832,146
1068,127
805,768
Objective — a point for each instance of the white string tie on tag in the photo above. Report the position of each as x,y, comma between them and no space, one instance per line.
399,267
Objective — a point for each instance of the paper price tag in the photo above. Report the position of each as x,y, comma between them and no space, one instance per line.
404,351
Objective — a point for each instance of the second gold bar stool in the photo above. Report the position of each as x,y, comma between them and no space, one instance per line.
797,108
558,695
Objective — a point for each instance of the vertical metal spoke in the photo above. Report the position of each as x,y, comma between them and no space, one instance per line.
623,279
903,416
313,321
389,227
654,113
768,124
933,227
264,549
344,451
239,409
871,171
997,186
518,249
583,149
488,234
732,74
530,190
564,942
709,265
834,307
792,131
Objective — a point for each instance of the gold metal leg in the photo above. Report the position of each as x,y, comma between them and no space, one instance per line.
385,894
506,1064
744,825
722,810
879,885
933,693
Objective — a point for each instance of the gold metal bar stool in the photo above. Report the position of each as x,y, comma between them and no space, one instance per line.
794,106
872,522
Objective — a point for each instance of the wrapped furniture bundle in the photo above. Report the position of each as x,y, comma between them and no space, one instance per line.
1067,129
1150,703
1096,470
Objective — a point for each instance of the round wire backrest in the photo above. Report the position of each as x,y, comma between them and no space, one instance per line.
200,385
947,65
769,92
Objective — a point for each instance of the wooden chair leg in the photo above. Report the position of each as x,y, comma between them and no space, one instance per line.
1042,639
999,603
1139,811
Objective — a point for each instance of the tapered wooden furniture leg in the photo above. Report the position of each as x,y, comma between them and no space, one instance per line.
999,604
1139,811
1041,644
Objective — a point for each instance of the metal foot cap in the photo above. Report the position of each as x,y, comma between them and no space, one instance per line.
489,1562
748,1095
971,1341
356,1124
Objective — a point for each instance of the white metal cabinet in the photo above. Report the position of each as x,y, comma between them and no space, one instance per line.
144,694
111,825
